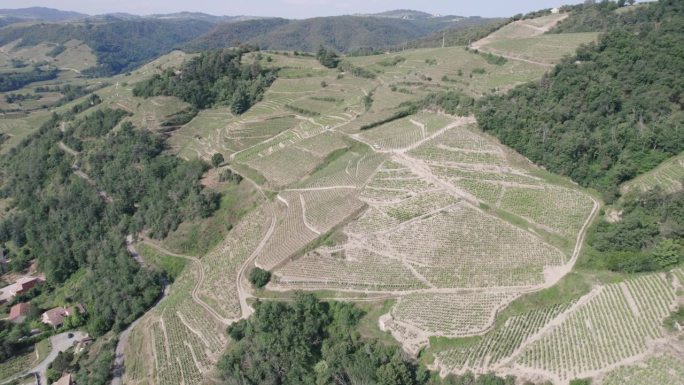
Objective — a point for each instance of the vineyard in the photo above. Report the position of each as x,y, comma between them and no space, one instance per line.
425,210
493,348
451,315
659,370
668,176
616,322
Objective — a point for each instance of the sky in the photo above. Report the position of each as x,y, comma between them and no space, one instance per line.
293,9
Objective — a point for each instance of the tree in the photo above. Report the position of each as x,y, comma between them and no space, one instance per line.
259,277
217,159
667,253
327,58
621,3
240,102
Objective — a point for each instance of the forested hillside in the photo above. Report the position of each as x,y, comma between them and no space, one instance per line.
612,111
213,78
120,45
343,33
72,208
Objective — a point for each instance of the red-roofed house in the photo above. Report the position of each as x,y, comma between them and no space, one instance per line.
25,284
19,312
55,317
65,380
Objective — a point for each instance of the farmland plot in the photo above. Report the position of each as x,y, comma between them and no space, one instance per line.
616,323
219,288
494,347
343,268
668,176
664,369
176,343
450,315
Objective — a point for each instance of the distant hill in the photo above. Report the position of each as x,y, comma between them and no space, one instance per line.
407,14
342,33
41,13
120,45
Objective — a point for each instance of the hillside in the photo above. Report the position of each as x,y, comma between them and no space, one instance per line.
119,45
590,117
342,33
506,209
41,13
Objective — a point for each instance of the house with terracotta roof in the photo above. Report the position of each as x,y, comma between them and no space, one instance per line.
19,312
25,284
66,379
22,285
55,317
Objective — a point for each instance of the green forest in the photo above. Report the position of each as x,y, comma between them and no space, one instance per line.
213,78
15,80
77,223
610,112
313,342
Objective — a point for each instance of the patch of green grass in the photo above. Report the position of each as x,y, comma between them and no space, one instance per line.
368,325
199,236
172,266
43,349
572,286
17,364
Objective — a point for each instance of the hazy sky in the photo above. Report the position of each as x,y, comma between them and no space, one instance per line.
293,8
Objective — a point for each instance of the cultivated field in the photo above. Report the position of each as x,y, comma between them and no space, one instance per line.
425,209
668,176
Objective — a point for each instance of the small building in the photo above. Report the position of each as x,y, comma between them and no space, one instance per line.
55,317
19,312
66,379
83,343
25,284
21,286
555,10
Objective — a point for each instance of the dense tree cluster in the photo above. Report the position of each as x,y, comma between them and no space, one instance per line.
75,224
15,80
213,78
612,111
259,277
461,36
310,342
327,57
647,236
349,34
594,16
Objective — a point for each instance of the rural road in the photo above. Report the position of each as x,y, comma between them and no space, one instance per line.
60,342
118,368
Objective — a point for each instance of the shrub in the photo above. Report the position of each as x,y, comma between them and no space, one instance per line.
259,277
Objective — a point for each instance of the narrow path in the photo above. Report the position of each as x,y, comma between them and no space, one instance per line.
118,367
60,343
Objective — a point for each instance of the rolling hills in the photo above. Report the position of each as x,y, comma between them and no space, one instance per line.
435,189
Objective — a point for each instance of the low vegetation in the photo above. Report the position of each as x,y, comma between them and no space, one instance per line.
312,342
213,78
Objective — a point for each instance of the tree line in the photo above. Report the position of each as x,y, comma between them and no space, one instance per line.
212,78
70,228
608,113
311,342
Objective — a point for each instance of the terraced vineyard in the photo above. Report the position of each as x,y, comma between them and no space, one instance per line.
489,351
660,369
668,176
425,209
589,339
